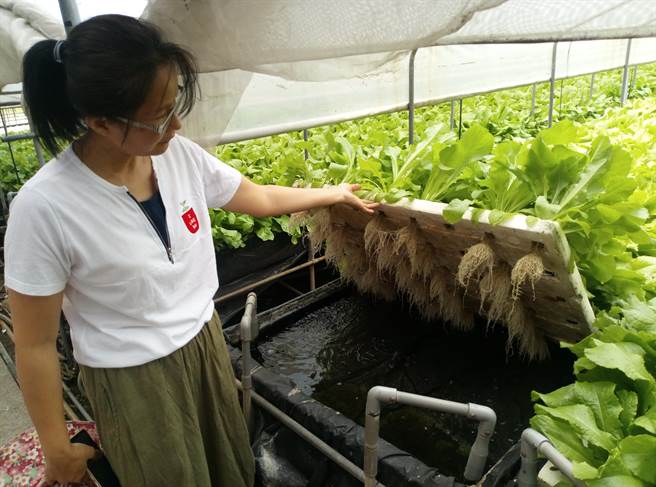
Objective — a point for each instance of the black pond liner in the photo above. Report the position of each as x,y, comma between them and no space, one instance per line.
320,354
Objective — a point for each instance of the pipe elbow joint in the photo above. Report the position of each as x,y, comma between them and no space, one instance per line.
485,415
533,438
378,395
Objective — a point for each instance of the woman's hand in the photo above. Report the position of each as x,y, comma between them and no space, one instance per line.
346,196
68,466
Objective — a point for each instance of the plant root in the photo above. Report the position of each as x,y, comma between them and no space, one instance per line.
376,283
527,269
300,219
523,331
496,293
320,226
438,288
478,261
379,238
415,243
454,307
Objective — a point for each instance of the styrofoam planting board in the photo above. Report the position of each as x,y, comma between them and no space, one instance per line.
560,306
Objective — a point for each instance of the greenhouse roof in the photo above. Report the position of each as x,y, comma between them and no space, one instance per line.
303,63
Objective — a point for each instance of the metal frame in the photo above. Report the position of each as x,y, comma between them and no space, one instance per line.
250,287
592,80
323,121
411,98
71,17
625,75
69,14
634,79
452,115
552,83
459,118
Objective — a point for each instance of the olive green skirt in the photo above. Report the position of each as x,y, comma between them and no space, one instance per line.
174,421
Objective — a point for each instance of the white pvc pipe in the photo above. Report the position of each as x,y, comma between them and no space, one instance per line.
533,443
249,331
379,395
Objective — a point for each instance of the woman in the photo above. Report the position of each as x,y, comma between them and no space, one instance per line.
115,231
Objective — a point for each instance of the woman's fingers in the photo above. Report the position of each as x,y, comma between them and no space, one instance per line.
360,204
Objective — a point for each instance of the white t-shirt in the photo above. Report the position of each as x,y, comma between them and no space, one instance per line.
126,302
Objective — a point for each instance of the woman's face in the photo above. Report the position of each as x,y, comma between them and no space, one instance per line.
157,109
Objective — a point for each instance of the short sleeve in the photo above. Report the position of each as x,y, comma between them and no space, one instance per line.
36,259
220,181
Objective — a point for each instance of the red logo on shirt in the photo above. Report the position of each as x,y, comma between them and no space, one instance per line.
189,218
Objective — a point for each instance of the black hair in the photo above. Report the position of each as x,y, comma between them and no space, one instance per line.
108,64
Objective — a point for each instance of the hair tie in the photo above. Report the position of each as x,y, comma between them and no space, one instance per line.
56,52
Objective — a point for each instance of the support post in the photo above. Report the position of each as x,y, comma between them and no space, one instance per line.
634,79
411,98
306,136
592,80
459,118
313,281
69,13
452,122
625,74
37,148
552,83
533,92
70,17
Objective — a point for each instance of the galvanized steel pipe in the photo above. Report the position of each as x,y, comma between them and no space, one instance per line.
552,82
625,74
411,98
69,13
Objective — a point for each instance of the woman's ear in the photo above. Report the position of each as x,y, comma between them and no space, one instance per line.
99,125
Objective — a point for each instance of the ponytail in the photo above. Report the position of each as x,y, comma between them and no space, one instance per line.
105,68
44,89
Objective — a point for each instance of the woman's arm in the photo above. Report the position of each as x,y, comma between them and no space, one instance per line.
271,200
36,324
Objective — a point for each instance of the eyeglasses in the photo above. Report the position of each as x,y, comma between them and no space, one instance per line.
158,128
